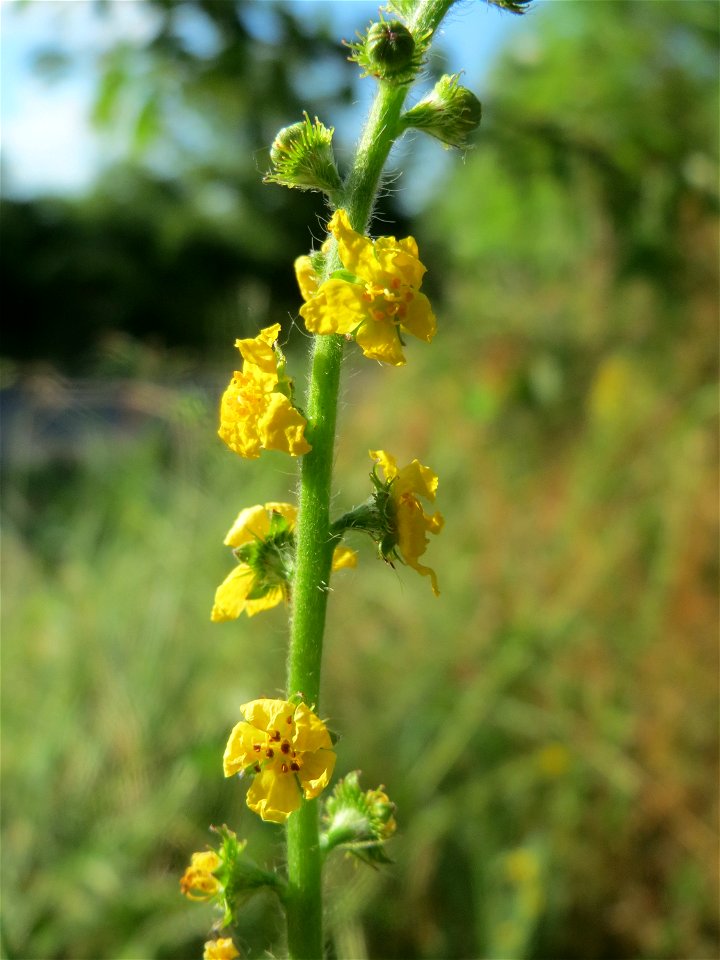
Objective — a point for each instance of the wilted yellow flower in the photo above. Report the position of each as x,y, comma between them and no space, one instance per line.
377,302
221,949
411,521
199,882
290,751
260,582
255,413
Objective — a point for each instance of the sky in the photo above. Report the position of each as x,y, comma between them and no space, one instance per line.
47,141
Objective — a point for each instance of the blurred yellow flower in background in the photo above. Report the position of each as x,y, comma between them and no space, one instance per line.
377,301
289,749
198,882
221,949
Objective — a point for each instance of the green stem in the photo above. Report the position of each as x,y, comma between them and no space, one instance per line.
314,539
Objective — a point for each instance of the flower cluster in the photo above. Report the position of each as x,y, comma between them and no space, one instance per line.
375,299
264,546
257,410
289,750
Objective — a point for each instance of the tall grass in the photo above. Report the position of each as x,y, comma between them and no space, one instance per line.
546,726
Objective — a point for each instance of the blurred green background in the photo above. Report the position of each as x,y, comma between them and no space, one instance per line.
548,727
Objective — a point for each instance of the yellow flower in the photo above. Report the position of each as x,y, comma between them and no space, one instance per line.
221,949
411,521
379,302
263,583
255,413
199,882
289,749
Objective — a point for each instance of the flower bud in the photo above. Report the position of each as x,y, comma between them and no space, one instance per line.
389,51
450,113
390,47
361,821
302,157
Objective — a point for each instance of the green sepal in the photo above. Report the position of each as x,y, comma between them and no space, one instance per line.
271,559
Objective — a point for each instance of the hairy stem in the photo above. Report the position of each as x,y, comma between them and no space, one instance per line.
314,538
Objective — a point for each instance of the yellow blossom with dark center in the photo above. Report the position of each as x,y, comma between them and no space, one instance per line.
411,522
289,750
377,301
255,413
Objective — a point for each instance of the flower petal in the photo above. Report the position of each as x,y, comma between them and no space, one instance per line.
412,542
386,461
282,427
267,714
337,307
419,320
380,340
253,523
316,772
272,598
310,731
273,795
307,279
258,350
356,251
230,596
417,479
239,752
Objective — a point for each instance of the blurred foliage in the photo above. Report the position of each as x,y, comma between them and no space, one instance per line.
179,243
548,726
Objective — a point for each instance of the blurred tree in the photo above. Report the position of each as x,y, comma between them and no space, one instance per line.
588,213
180,242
